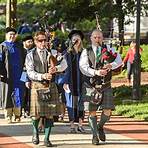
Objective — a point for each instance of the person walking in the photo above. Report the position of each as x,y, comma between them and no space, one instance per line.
44,93
28,44
129,59
73,80
11,67
59,50
96,89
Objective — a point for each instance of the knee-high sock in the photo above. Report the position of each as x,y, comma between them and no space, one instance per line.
103,119
35,124
47,127
93,125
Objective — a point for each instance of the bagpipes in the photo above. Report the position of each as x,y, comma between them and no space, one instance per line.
107,56
39,25
101,83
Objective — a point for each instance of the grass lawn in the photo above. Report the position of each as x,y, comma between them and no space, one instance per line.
128,107
137,111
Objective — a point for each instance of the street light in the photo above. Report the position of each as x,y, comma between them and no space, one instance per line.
137,61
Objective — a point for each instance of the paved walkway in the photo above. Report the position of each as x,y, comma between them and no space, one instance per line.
121,133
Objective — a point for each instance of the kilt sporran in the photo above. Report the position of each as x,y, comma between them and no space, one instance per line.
44,95
91,94
94,94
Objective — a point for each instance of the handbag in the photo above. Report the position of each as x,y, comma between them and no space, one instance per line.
44,95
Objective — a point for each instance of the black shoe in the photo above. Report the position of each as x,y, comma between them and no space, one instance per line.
102,136
80,129
35,139
48,143
95,140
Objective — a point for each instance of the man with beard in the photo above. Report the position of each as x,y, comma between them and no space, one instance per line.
27,45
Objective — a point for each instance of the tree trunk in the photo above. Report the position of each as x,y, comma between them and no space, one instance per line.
121,29
120,21
11,8
13,11
8,13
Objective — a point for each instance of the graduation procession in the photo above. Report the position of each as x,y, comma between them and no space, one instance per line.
63,76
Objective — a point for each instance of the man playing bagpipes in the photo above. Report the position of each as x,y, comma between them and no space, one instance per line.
97,63
41,67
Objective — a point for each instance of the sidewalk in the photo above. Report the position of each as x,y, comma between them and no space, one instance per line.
121,133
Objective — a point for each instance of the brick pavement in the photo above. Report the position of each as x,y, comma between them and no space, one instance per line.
121,132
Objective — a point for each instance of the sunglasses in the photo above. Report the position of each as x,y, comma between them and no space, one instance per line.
42,40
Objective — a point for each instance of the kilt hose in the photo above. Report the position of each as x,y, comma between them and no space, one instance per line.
41,108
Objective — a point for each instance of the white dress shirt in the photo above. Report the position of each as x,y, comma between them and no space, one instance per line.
84,62
32,74
42,54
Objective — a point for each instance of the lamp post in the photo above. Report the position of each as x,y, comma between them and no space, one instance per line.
137,61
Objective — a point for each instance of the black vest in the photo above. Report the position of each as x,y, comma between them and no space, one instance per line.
96,80
38,66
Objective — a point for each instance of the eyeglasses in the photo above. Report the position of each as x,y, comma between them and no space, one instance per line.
41,40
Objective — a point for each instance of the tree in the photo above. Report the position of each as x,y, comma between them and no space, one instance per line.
122,8
8,13
13,13
11,19
75,11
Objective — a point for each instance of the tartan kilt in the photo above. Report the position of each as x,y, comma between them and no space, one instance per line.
40,108
107,99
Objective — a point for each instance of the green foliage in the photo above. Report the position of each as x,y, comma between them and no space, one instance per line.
122,91
135,110
35,12
125,93
144,57
71,11
131,108
32,1
61,35
2,35
2,28
86,25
